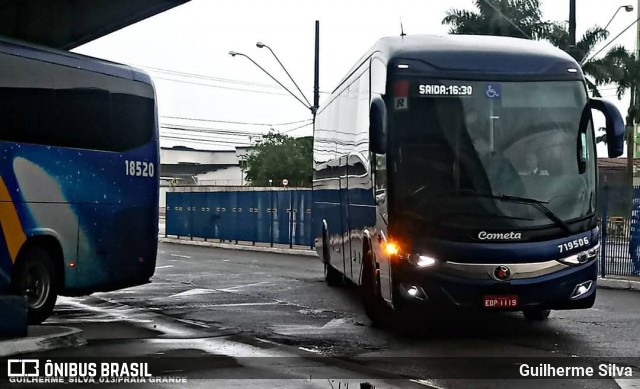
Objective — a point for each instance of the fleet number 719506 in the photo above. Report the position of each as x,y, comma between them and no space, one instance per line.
574,244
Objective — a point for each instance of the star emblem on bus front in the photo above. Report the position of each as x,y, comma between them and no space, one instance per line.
502,273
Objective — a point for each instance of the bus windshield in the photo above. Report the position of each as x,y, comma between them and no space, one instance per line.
466,151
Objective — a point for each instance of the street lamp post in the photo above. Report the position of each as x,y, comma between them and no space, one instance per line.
610,42
627,8
260,45
234,53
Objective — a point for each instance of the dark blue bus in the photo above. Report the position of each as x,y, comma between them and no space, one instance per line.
78,175
459,172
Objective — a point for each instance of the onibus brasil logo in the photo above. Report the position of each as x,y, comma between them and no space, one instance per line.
32,371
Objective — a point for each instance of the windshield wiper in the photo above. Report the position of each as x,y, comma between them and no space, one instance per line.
538,204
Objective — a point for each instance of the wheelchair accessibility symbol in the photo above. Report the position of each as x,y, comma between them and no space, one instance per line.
493,91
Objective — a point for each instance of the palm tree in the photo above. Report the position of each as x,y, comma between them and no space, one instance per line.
596,70
623,71
515,18
523,19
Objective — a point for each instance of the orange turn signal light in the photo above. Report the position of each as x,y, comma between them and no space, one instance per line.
391,248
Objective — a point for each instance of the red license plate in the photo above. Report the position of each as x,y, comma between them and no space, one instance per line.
509,301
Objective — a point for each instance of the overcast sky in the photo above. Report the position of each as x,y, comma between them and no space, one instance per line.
186,52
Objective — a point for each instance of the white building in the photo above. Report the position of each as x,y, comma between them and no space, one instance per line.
184,166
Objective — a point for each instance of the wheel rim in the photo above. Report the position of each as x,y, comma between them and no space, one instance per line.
36,284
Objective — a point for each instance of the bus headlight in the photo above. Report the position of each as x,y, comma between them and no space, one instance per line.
422,260
581,257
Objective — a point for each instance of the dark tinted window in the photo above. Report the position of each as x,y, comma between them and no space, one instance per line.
132,121
82,119
79,118
25,114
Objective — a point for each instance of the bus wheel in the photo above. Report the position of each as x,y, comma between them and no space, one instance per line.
536,314
35,277
374,305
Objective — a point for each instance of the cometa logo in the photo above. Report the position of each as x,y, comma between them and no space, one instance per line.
484,235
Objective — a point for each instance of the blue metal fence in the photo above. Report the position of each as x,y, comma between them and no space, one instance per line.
284,217
619,219
267,216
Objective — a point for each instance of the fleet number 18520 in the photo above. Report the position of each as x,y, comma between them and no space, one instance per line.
139,168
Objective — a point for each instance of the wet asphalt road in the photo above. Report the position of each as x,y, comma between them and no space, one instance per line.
239,304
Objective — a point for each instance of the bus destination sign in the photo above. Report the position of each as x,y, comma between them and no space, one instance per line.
445,90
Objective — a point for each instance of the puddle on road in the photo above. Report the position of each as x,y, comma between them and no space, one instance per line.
333,327
92,312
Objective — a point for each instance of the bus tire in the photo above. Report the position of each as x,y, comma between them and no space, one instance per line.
34,276
535,314
378,312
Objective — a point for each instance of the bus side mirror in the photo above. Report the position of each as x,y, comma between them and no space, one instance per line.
614,125
378,126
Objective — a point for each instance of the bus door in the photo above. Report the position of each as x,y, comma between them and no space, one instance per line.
344,212
362,208
379,174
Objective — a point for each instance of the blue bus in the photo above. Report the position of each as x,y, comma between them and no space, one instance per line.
459,172
78,175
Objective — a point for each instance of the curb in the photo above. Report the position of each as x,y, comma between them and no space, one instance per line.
618,283
43,338
276,250
603,282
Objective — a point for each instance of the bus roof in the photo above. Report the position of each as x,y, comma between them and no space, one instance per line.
425,46
73,60
475,53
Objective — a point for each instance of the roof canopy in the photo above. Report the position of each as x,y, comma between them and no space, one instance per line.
66,24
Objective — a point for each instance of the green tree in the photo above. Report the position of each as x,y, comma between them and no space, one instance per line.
623,71
522,19
516,18
276,157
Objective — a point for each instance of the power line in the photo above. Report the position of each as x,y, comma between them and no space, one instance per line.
208,132
211,78
232,122
297,128
224,137
216,130
219,87
203,141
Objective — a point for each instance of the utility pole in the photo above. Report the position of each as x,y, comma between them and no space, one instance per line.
572,22
316,73
633,127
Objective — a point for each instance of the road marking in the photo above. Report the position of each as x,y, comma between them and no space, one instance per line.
628,383
192,292
310,350
180,256
428,383
268,341
163,267
333,326
193,322
243,304
234,288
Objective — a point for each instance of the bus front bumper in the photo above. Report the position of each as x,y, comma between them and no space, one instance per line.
568,288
